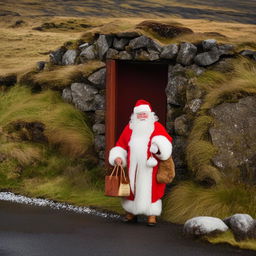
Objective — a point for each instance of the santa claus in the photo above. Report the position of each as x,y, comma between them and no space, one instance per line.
143,142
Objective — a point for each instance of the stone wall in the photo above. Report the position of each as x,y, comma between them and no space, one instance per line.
184,98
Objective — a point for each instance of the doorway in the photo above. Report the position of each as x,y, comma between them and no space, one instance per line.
128,81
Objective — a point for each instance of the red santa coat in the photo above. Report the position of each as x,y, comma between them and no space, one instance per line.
163,141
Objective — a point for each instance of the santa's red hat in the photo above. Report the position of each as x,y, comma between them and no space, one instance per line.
142,106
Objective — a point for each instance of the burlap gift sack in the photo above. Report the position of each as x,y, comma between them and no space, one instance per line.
166,171
117,184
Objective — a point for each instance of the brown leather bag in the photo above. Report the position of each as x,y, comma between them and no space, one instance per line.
166,171
117,184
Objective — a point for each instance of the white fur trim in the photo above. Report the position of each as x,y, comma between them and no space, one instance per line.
153,209
153,148
151,162
117,152
140,174
141,108
164,145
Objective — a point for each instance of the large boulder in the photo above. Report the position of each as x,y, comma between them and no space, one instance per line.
176,90
169,51
209,44
207,58
203,225
120,43
56,56
112,54
103,43
252,231
69,57
240,224
83,96
186,54
144,43
234,133
98,78
139,42
88,53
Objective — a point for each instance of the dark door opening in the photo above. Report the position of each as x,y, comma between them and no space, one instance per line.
140,81
126,83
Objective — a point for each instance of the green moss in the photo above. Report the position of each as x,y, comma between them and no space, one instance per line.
199,153
211,79
62,189
9,174
228,238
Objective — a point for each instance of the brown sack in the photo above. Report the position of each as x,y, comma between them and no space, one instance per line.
117,184
166,171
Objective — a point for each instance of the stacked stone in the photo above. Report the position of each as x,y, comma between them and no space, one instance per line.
134,46
184,98
89,98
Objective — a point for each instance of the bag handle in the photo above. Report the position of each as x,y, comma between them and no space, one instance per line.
122,172
114,169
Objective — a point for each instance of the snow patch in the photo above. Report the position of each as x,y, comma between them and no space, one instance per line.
11,197
204,225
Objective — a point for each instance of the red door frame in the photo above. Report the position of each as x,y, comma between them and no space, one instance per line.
110,117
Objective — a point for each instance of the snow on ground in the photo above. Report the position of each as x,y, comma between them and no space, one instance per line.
11,197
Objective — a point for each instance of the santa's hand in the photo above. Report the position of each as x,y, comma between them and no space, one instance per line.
153,148
118,161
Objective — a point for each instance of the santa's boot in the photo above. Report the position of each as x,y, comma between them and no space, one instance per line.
129,218
151,221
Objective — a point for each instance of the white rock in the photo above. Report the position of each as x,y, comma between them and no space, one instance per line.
204,225
239,221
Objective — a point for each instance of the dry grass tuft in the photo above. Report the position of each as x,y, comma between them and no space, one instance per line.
188,200
243,83
61,76
65,126
24,153
219,88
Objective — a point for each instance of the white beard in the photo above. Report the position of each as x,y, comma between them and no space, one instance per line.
140,174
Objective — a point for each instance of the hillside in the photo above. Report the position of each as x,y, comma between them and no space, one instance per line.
218,10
